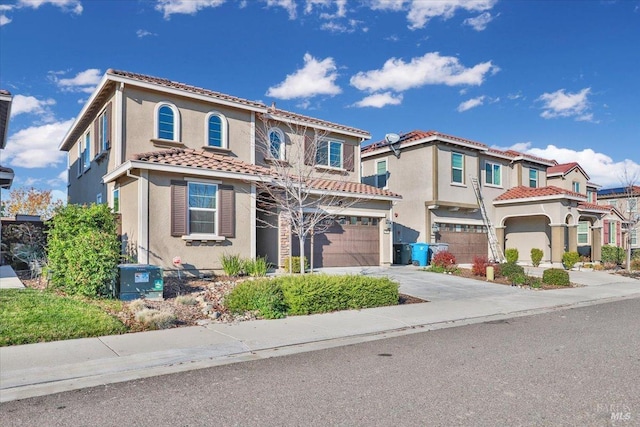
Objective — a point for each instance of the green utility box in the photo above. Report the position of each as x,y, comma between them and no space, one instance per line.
139,281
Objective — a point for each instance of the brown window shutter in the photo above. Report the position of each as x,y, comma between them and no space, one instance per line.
348,152
178,208
605,231
108,113
309,152
226,211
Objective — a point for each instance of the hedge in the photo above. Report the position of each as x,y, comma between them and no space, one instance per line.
555,276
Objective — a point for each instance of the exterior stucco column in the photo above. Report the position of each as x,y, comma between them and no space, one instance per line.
557,242
573,238
500,237
596,244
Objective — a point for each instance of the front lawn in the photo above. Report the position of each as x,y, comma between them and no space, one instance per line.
31,315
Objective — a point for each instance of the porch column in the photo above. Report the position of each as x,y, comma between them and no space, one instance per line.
596,244
557,242
500,237
573,238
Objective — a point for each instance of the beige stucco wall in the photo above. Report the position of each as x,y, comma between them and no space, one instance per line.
129,216
526,233
567,181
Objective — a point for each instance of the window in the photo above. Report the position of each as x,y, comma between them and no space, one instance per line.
116,200
634,237
632,205
99,198
591,196
583,233
276,144
493,174
167,122
86,153
533,178
613,203
216,130
457,168
612,233
381,174
103,132
576,187
202,208
329,154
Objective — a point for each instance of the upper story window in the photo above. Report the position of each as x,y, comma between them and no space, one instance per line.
329,153
632,205
612,232
575,186
167,122
634,236
276,143
103,131
381,174
457,168
203,206
84,154
493,174
533,178
591,196
216,130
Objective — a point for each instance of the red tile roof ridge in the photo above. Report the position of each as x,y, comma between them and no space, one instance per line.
523,192
595,206
562,167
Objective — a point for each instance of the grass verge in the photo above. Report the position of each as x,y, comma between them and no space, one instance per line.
31,316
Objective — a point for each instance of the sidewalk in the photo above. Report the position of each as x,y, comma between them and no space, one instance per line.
39,369
8,278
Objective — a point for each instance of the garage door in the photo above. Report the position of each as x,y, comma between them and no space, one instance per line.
347,242
465,241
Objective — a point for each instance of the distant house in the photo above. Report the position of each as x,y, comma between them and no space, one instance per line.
625,201
530,202
6,174
180,164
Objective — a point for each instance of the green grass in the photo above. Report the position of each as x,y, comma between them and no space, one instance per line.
31,316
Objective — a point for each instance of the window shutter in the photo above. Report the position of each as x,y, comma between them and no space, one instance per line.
96,141
226,211
618,234
309,152
605,229
108,113
348,152
178,208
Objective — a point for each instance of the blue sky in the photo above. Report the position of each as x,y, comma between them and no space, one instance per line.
558,79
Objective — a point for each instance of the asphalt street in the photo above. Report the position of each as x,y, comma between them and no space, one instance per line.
577,367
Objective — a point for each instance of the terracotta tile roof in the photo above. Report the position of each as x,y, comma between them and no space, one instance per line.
255,104
514,153
202,159
562,168
595,207
416,135
523,192
4,92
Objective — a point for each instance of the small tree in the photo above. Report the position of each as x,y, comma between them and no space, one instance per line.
629,207
30,201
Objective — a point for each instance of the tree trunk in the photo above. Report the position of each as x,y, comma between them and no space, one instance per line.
301,239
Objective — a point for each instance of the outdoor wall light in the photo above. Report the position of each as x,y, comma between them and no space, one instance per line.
435,228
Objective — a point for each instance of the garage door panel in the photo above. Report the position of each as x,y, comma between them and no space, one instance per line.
464,245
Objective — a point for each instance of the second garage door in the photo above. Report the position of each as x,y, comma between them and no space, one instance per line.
465,241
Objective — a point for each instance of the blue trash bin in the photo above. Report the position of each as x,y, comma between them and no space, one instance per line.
419,254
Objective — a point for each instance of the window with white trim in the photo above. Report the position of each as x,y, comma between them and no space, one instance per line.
493,174
86,152
575,186
612,232
329,154
632,205
216,130
381,174
457,168
583,233
99,198
591,196
115,200
533,178
167,122
103,132
634,236
276,143
203,206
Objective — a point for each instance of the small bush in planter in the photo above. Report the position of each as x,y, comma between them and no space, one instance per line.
444,259
479,267
569,259
555,276
536,256
511,255
510,270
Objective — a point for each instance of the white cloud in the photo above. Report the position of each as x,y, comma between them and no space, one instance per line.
350,26
480,22
379,100
288,5
59,195
471,103
563,104
4,20
315,78
85,81
67,5
188,7
341,8
430,69
394,5
602,169
31,105
144,33
36,146
420,11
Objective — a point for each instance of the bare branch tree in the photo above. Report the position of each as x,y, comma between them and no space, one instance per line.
309,181
628,205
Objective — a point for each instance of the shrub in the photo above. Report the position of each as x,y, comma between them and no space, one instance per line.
444,259
295,264
83,250
534,282
479,267
536,256
186,300
569,259
612,254
262,296
519,279
510,270
232,265
635,264
555,276
257,267
155,319
598,267
512,255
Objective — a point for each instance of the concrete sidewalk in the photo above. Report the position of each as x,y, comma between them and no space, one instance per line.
39,369
8,278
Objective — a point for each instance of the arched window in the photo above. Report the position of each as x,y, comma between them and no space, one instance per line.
276,144
216,130
167,122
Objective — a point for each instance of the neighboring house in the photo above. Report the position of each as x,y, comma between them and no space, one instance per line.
6,174
625,201
527,206
181,164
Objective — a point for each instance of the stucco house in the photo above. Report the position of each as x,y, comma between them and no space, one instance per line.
182,166
625,201
530,202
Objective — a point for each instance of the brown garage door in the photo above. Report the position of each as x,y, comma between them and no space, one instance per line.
348,242
465,241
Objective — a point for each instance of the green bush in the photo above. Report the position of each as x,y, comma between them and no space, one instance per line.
264,296
614,254
635,264
555,276
83,250
569,259
536,256
257,267
232,265
295,264
512,255
510,270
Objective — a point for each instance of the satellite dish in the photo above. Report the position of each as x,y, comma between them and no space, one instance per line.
392,138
